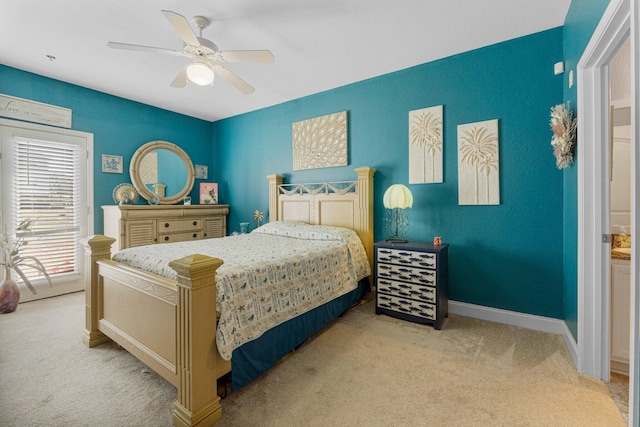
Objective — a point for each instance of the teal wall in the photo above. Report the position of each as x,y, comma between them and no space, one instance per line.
582,19
507,256
119,126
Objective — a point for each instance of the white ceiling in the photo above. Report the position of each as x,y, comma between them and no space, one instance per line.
318,45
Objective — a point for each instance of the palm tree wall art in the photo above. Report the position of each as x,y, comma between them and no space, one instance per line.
425,145
478,163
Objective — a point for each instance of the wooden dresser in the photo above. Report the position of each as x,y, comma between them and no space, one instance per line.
411,281
137,225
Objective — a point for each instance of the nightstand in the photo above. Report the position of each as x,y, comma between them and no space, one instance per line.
411,281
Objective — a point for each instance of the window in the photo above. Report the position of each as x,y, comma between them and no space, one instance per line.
45,176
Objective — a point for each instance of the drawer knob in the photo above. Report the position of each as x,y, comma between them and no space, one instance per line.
166,238
195,235
195,222
166,225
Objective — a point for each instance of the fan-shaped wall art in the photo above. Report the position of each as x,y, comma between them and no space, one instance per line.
478,163
425,145
320,142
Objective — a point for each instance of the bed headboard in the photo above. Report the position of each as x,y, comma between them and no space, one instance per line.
346,204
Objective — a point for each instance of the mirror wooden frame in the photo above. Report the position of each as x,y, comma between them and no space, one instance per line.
134,171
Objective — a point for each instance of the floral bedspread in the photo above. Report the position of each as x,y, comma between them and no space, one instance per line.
271,275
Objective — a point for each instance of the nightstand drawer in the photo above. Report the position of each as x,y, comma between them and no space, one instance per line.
407,274
407,290
407,257
406,306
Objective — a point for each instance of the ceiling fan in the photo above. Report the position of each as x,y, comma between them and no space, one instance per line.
206,60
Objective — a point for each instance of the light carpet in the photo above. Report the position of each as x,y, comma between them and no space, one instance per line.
360,370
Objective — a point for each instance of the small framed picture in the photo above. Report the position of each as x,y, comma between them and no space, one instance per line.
111,164
202,171
208,193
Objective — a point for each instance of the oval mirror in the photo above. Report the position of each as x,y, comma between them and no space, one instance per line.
162,171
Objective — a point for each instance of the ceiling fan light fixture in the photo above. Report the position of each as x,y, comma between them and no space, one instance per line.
200,74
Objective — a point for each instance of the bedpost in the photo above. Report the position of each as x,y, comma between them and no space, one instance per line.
198,403
365,193
274,180
96,248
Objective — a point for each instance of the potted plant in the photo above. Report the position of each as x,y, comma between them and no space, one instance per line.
12,260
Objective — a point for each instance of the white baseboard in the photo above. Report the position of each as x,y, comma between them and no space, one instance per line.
521,320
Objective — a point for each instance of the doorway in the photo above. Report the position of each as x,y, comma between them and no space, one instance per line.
620,214
46,176
619,21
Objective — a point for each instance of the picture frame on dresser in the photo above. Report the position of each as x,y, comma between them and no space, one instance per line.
209,193
411,281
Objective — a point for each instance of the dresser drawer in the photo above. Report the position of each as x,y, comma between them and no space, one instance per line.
407,257
179,237
407,274
407,290
173,225
407,306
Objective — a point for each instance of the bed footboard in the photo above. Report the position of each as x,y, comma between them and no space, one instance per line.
198,402
173,331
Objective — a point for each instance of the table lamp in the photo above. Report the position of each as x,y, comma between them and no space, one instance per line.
397,199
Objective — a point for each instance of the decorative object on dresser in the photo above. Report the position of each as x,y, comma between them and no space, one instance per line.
163,170
125,194
397,199
258,216
208,193
411,281
137,225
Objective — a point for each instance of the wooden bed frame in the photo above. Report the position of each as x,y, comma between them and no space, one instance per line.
171,325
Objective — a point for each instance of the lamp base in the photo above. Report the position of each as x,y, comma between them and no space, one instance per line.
396,239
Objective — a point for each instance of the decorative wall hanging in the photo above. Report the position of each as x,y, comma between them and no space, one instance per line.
563,125
111,164
202,171
425,145
36,112
478,163
320,142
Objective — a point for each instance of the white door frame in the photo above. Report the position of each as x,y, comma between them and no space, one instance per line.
62,284
619,21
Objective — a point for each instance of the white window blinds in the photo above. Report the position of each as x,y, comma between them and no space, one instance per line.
46,187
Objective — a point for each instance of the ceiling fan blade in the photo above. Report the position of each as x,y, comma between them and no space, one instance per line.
182,27
181,79
139,48
233,79
264,56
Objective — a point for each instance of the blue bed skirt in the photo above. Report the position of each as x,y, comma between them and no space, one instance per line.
253,358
